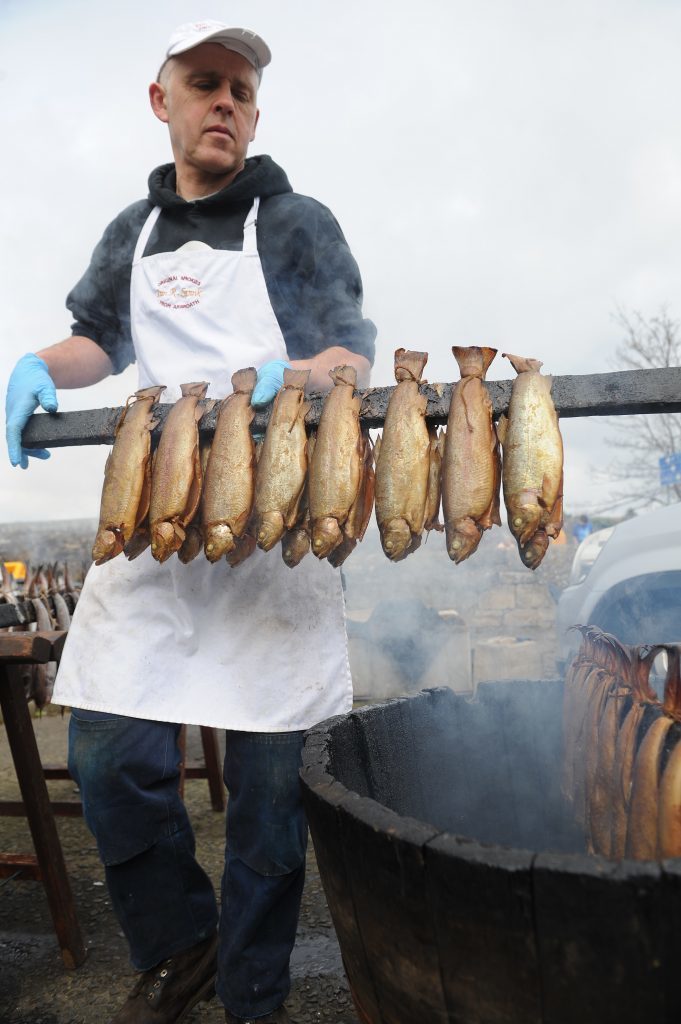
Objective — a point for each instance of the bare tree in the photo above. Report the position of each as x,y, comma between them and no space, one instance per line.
643,440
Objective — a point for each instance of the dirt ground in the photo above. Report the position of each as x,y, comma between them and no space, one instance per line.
35,988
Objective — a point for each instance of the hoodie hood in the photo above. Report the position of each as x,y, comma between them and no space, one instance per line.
260,177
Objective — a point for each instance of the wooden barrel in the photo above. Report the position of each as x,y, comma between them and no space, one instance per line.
460,891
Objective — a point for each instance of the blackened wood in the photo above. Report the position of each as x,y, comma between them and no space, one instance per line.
624,393
16,614
386,753
20,614
600,940
481,904
321,797
39,813
670,901
213,767
384,856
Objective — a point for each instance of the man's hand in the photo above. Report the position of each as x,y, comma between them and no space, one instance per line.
30,385
270,380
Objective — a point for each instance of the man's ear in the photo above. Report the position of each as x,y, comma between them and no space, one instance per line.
255,124
157,98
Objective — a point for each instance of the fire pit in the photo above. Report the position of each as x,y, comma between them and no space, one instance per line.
459,889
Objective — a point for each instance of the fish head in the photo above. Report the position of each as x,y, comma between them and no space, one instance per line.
270,529
108,544
294,546
219,541
396,538
463,537
166,539
524,520
326,535
532,553
243,549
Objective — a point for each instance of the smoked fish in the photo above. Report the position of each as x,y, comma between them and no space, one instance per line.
127,476
356,524
532,472
193,541
282,465
471,471
295,543
669,812
229,483
403,460
335,469
176,475
642,698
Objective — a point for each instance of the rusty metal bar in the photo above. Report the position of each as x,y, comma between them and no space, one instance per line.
625,393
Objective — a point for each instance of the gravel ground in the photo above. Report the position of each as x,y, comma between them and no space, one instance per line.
35,988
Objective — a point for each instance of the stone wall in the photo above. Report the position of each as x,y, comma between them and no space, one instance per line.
504,613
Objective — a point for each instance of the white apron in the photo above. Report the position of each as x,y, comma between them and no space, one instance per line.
260,648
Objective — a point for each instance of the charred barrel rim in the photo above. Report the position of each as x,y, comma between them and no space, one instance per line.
446,911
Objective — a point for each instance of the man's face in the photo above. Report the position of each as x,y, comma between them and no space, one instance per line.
207,97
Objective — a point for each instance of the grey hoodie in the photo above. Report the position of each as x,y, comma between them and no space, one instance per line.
312,278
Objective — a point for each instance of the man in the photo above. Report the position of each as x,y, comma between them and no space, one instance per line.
582,529
221,268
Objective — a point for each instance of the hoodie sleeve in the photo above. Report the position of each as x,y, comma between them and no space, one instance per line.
100,302
312,278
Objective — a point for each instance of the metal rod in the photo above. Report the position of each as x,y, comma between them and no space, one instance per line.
625,393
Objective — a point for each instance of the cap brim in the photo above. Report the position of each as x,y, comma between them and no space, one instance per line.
254,49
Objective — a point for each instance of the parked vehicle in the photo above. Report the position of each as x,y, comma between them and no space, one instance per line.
627,580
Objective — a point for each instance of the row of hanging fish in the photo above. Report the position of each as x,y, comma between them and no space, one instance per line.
621,751
230,495
316,492
53,595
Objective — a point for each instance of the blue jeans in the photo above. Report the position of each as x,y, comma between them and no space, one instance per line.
128,770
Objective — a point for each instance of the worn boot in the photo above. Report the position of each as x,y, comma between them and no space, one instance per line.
279,1016
166,993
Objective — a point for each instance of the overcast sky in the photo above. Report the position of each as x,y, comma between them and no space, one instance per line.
507,174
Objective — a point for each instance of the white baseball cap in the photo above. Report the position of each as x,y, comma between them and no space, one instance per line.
240,40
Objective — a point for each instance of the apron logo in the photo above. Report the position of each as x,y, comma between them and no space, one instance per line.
179,292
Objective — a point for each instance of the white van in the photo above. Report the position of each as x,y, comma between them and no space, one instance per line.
627,580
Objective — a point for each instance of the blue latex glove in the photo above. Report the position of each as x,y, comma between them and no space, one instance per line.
30,385
270,380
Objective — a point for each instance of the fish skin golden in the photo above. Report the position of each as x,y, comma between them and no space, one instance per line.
602,795
471,470
295,543
403,460
434,491
229,483
176,475
193,542
356,524
602,684
642,839
125,494
669,812
669,817
334,474
532,469
282,464
642,697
